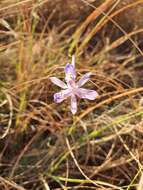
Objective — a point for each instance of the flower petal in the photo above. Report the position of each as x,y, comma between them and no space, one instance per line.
58,82
62,95
70,73
73,60
84,79
87,94
73,104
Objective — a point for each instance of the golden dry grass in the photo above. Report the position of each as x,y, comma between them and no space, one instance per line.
42,146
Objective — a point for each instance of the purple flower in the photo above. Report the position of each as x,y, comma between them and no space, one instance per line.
71,88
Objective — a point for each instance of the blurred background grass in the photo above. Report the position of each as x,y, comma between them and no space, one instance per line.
42,146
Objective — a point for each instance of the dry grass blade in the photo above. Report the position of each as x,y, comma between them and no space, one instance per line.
76,163
97,12
21,154
46,186
109,100
102,23
11,183
42,145
10,114
140,186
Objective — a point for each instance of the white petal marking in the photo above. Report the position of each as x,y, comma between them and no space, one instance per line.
73,60
58,82
87,94
73,104
84,79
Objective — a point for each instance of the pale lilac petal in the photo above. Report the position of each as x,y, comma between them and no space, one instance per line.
87,94
58,82
70,73
73,104
62,95
84,79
